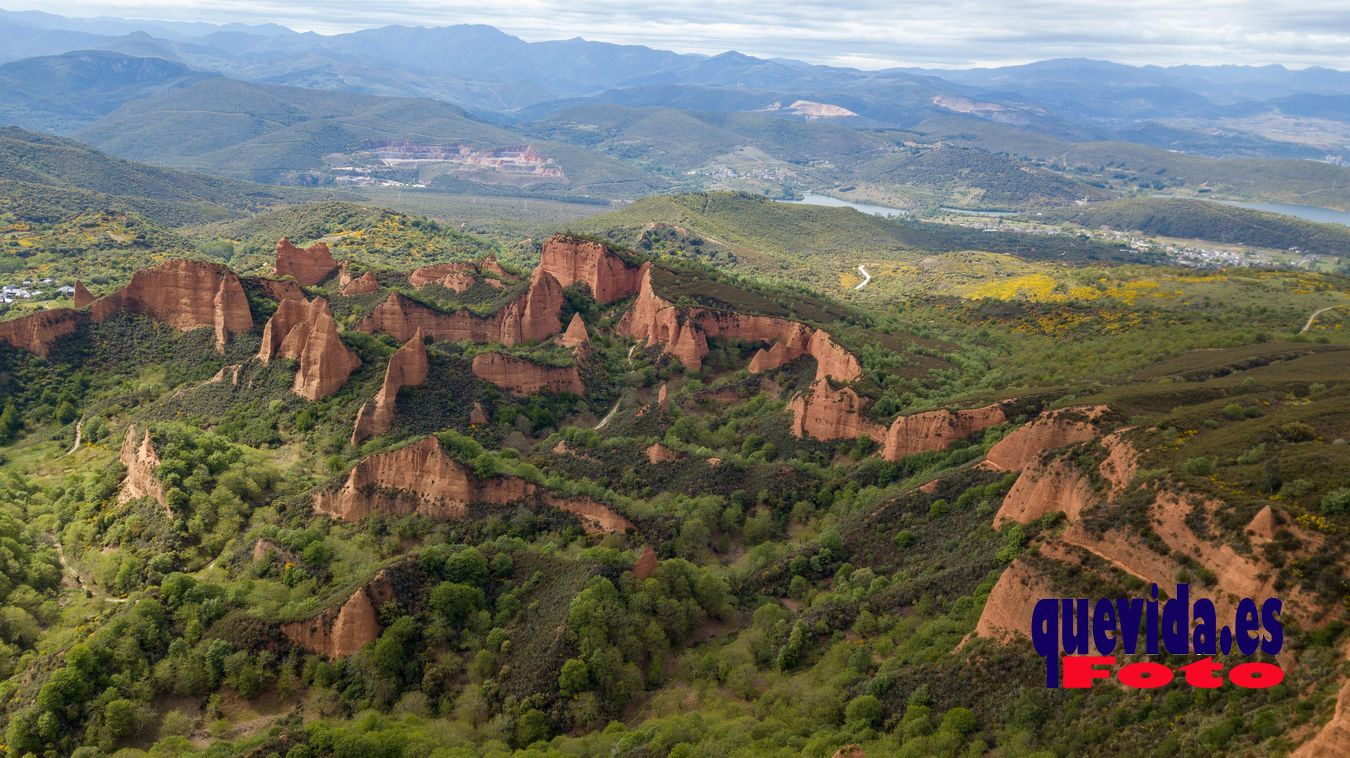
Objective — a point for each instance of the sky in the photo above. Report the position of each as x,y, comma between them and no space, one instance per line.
857,33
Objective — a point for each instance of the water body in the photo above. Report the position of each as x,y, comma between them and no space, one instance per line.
1306,212
834,202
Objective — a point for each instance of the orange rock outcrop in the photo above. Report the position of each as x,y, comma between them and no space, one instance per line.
139,456
524,377
309,265
342,631
361,285
826,413
1051,429
658,453
422,478
576,334
684,333
1333,739
532,317
83,298
185,295
1007,611
38,332
459,276
407,368
645,564
937,430
306,331
572,259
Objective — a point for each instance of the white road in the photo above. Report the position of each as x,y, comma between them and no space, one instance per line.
866,277
1314,316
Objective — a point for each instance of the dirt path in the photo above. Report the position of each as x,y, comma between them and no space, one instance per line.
79,435
1314,316
79,580
866,277
609,415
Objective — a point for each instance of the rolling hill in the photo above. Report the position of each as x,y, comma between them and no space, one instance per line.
1198,219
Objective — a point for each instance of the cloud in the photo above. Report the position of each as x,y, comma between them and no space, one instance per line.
859,33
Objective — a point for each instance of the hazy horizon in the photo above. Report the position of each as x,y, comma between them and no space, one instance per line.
860,34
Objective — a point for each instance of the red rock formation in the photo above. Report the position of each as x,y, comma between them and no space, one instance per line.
478,416
461,275
265,547
38,332
572,259
1046,487
185,295
1051,429
340,632
663,398
825,413
523,377
850,751
576,334
684,335
307,332
422,478
139,456
1007,611
531,318
937,430
82,296
280,289
645,564
226,372
361,285
658,453
309,266
407,368
418,478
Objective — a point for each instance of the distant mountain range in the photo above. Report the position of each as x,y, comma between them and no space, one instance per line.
471,109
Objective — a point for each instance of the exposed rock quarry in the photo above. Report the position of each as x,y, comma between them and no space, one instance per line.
38,332
309,265
684,334
1049,430
82,296
361,285
524,377
572,259
141,460
937,430
576,334
422,478
306,331
340,632
532,317
407,368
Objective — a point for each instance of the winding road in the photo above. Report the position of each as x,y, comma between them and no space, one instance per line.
866,277
1314,316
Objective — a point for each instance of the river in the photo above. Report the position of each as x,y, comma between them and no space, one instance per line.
1306,212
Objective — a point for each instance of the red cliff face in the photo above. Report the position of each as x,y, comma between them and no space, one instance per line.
407,368
571,259
532,317
937,430
825,413
306,331
645,564
82,296
309,265
1052,429
419,478
523,377
342,631
361,285
684,334
38,332
185,295
139,456
459,276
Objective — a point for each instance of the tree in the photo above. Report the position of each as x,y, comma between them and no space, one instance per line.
121,718
455,602
865,710
575,677
10,422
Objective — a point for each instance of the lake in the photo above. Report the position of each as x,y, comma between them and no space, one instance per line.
834,202
1306,212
